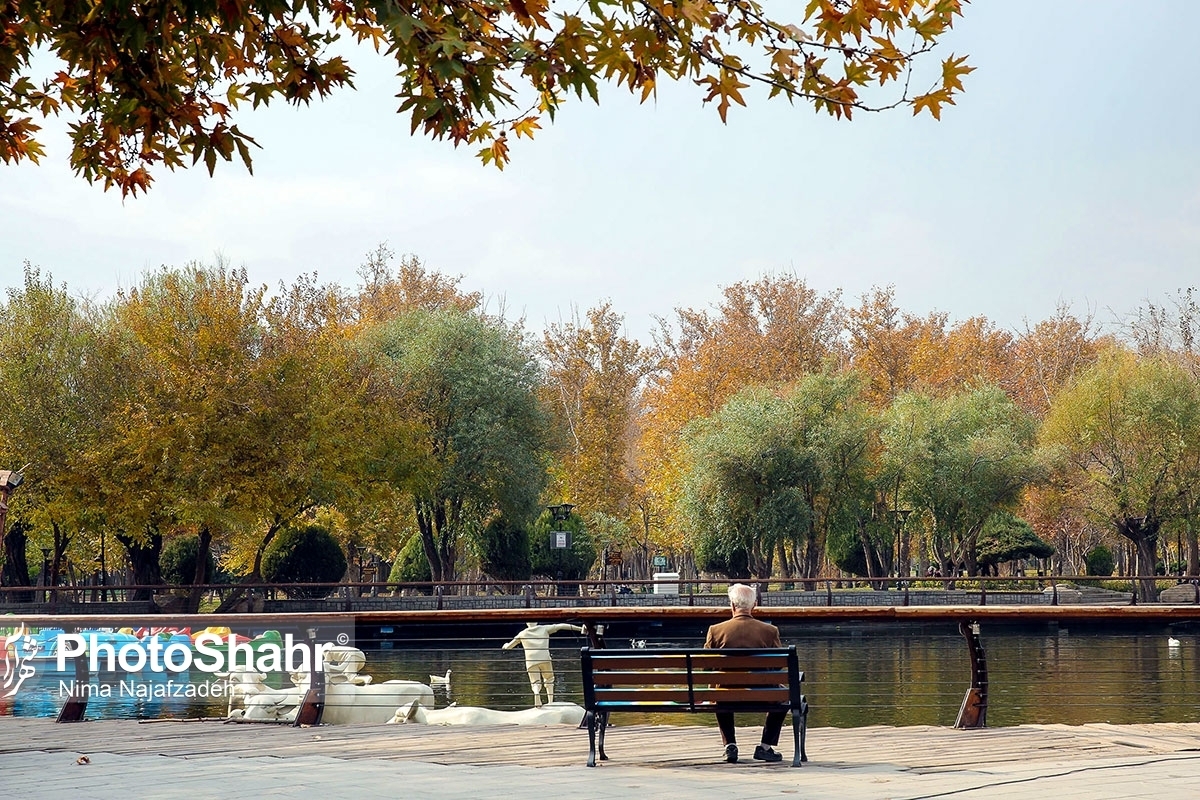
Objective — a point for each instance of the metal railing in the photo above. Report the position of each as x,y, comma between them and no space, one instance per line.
827,591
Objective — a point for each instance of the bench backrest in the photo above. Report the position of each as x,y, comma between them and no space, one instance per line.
740,679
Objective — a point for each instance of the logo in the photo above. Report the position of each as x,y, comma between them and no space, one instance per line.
19,650
154,661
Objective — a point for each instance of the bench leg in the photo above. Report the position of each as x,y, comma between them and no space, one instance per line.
797,740
602,722
803,727
591,723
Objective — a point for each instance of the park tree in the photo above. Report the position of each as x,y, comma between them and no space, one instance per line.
179,447
162,82
390,287
311,410
593,379
178,561
305,555
949,359
882,345
837,431
1170,329
1048,355
49,385
745,491
959,459
468,387
1006,537
504,550
1129,427
774,472
771,331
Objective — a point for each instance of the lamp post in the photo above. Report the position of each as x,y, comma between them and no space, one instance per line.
899,517
46,571
560,540
103,570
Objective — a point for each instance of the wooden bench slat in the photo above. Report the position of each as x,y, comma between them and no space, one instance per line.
767,696
679,661
699,679
639,678
644,695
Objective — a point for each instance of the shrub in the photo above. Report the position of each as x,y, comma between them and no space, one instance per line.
304,555
177,563
411,566
504,551
1099,561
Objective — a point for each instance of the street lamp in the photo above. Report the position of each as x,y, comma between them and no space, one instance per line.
560,540
899,517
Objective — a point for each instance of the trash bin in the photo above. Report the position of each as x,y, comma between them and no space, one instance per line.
669,584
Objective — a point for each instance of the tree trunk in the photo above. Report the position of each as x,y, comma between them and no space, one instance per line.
1143,533
1193,545
200,576
143,558
16,568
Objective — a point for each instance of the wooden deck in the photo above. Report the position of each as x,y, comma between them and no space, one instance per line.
917,749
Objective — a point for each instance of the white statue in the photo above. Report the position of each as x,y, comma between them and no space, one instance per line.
536,641
549,714
242,682
349,696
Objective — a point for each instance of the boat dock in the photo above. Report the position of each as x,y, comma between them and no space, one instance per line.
211,758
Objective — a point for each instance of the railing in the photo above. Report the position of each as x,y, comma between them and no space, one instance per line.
829,591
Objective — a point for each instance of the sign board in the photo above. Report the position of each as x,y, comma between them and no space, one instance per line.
660,561
560,540
615,559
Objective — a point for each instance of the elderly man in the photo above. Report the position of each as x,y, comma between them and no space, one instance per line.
535,639
743,630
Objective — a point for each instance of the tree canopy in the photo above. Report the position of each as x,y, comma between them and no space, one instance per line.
160,82
1128,430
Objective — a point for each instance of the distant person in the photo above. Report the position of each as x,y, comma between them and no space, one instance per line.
743,630
536,641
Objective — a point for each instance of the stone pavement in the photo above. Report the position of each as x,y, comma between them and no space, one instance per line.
1063,772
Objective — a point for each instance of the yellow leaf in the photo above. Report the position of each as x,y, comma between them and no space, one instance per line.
952,71
526,127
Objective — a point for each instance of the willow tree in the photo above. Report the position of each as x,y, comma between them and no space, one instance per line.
959,459
469,387
775,472
1129,428
744,494
161,82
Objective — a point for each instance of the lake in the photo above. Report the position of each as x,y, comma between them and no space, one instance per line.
855,675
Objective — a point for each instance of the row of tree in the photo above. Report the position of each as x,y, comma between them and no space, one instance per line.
781,432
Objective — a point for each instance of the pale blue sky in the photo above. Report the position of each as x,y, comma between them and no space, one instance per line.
1067,172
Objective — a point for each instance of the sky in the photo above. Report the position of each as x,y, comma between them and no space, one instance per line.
1068,173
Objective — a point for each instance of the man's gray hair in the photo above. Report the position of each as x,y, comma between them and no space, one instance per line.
742,597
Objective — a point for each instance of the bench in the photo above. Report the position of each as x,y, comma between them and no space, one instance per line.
692,681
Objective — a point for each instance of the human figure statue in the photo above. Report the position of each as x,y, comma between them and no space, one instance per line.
536,641
743,630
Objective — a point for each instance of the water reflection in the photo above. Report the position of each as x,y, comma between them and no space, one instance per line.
855,675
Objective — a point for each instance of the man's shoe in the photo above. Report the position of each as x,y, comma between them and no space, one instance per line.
767,754
731,753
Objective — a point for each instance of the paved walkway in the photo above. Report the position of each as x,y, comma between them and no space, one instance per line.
1103,762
